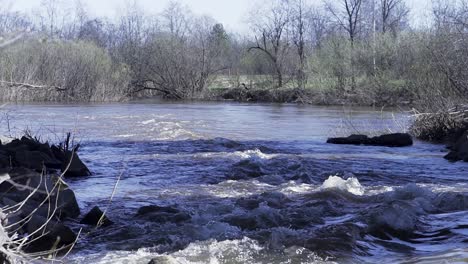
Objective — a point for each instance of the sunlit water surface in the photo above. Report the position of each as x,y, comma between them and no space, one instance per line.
259,182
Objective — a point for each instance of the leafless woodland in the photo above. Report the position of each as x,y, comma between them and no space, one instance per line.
368,49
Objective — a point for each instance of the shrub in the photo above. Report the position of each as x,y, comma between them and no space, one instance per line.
60,71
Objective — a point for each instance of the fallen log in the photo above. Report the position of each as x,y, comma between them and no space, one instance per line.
31,86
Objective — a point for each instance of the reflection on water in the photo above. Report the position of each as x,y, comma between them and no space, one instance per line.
258,185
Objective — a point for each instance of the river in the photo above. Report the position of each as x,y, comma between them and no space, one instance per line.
259,183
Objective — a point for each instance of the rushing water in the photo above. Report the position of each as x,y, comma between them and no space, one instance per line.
259,183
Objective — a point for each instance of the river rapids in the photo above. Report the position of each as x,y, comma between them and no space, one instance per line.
259,185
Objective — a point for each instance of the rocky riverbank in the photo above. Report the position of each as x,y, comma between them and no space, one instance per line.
36,202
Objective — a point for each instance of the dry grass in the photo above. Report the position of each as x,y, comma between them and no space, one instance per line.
440,126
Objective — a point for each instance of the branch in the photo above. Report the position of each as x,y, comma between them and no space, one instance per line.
32,86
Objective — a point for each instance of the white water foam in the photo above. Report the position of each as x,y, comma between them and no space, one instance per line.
240,251
350,185
147,122
253,154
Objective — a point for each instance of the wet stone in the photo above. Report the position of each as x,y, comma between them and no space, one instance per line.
94,216
162,214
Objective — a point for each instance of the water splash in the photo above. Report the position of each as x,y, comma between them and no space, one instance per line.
350,185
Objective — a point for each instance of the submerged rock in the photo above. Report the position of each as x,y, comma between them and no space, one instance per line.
93,217
388,140
246,169
144,210
162,214
459,150
242,221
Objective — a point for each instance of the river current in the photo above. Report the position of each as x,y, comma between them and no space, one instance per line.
258,182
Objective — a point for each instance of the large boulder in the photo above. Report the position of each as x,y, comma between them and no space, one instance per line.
388,140
73,166
93,217
47,234
459,150
392,140
29,153
67,206
35,160
5,160
351,140
38,189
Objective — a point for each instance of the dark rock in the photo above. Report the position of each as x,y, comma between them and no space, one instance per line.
4,160
30,142
227,143
67,206
47,236
248,203
459,150
275,199
22,175
58,153
351,140
162,214
73,166
180,217
392,140
156,209
35,160
246,169
93,217
13,149
48,191
13,145
389,140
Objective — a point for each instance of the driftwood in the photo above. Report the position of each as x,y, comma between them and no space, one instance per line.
442,125
11,41
31,86
457,112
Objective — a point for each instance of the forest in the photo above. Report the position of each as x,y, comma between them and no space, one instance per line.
361,52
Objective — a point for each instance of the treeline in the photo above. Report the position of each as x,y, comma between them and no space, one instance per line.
343,51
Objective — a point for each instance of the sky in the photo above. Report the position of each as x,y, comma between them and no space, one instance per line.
232,13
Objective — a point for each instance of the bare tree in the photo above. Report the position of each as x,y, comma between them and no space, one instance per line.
50,17
393,14
449,47
176,19
299,27
319,27
179,59
271,39
347,15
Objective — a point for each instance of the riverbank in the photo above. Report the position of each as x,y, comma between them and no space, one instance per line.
37,204
309,96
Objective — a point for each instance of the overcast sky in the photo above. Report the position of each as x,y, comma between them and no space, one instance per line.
232,13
